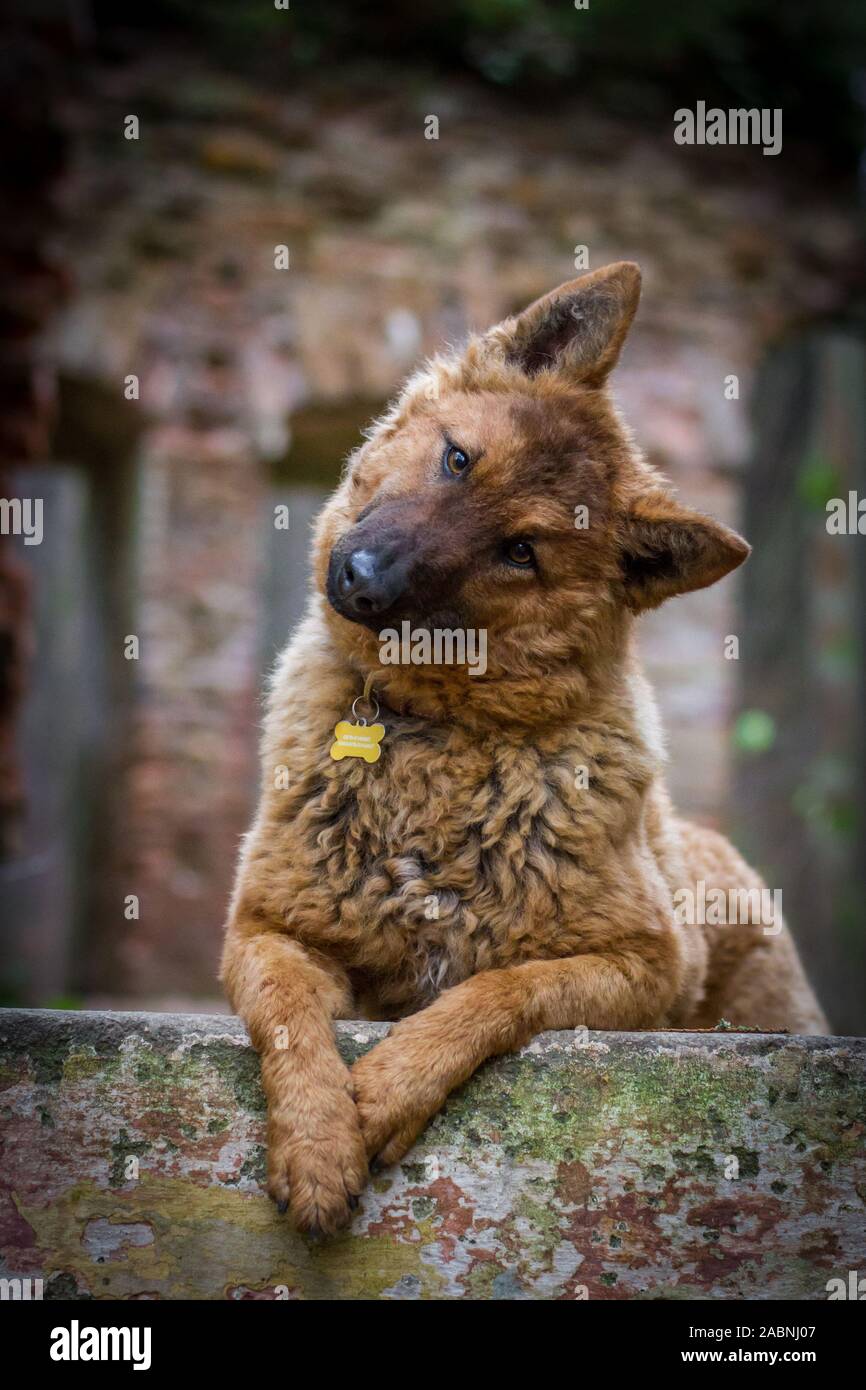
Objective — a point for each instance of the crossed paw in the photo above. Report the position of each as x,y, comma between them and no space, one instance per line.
317,1169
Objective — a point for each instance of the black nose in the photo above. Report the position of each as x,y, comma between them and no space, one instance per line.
365,583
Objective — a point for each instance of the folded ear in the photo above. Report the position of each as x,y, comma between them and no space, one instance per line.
666,549
578,329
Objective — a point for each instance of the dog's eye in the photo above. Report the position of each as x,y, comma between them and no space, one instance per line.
454,461
519,553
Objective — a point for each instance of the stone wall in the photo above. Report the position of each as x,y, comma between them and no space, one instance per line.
604,1166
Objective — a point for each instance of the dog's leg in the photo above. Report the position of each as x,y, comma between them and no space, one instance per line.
288,997
405,1079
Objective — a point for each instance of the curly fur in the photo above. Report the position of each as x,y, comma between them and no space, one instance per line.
468,883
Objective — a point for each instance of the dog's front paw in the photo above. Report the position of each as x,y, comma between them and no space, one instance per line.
393,1103
317,1172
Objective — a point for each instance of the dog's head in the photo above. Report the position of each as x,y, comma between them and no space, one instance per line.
502,494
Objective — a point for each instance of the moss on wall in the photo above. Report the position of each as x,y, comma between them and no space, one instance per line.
622,1166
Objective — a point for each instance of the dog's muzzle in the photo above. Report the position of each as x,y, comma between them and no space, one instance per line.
365,583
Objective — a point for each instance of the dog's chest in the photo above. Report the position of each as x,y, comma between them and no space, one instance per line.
451,856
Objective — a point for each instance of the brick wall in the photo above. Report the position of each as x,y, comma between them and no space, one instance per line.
396,244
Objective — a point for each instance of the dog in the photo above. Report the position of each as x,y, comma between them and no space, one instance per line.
498,856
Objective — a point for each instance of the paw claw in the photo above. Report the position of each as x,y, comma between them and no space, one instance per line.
317,1174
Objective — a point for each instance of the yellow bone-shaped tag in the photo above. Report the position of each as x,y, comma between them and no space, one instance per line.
357,741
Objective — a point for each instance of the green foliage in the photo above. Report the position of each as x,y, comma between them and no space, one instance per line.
824,799
754,731
803,57
817,482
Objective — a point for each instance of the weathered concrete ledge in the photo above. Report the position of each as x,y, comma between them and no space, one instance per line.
667,1165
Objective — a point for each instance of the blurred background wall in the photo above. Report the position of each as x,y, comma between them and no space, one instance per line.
166,386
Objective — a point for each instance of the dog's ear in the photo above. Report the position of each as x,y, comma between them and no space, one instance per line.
578,329
666,549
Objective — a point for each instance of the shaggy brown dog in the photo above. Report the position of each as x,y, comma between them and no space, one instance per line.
511,862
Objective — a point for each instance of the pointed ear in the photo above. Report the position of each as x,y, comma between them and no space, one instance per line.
578,329
666,549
